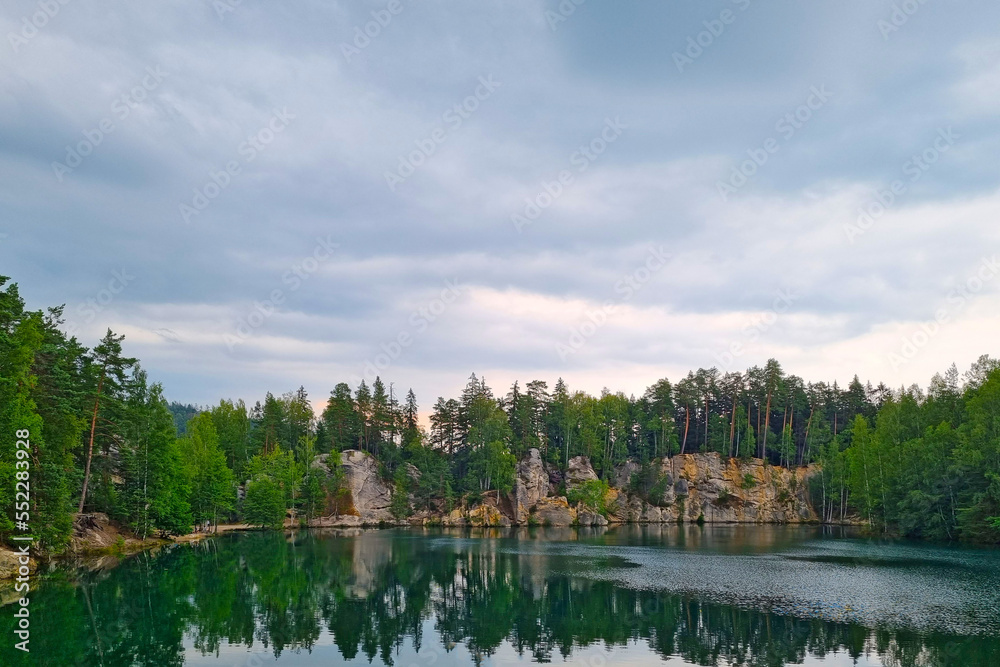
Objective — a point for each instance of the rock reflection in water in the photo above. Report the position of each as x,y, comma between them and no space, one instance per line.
370,592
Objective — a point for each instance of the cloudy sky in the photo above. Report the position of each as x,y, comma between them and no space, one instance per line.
261,195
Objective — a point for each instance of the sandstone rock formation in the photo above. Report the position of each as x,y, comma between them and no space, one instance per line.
689,488
553,512
487,515
530,485
368,497
579,471
622,475
734,491
587,518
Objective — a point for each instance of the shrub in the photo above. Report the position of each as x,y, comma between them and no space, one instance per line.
749,481
400,506
649,484
591,494
264,505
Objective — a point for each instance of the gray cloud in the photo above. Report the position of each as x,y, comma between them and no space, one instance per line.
354,117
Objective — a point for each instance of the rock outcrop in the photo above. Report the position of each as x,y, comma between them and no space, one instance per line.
367,497
486,515
579,471
734,491
530,485
553,512
622,476
688,488
10,564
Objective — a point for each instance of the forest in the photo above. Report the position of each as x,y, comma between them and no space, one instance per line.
103,438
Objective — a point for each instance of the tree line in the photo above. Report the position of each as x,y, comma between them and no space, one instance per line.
104,438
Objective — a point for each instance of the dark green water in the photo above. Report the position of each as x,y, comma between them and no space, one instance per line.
717,595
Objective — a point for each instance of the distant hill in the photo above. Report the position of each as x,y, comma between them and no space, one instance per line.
182,414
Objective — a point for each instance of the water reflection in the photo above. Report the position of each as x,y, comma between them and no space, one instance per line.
369,593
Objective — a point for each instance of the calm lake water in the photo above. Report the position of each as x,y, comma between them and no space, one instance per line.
630,595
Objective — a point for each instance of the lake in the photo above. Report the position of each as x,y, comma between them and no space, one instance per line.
626,595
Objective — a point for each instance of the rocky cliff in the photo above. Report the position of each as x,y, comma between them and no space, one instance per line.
685,489
366,499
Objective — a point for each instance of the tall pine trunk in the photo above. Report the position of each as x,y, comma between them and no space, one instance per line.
767,425
732,427
90,446
687,423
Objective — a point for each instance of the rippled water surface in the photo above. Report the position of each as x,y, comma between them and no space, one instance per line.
635,595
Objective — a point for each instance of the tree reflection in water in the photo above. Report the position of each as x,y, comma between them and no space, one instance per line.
372,590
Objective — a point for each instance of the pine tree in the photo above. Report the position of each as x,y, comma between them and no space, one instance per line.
111,369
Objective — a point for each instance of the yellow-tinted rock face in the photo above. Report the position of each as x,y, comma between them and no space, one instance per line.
487,515
737,491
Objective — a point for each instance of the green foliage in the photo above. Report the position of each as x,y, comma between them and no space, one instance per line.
233,427
280,467
181,415
211,483
400,506
922,465
592,494
155,492
748,482
650,484
264,504
314,492
20,340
